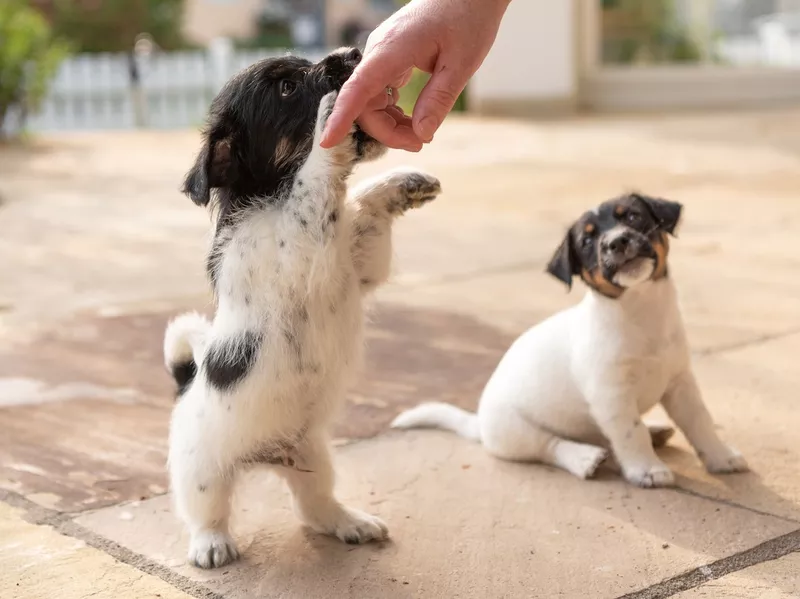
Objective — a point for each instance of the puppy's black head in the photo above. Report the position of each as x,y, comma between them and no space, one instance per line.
619,244
261,125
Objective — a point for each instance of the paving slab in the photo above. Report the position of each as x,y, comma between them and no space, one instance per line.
462,524
775,579
38,562
95,259
78,403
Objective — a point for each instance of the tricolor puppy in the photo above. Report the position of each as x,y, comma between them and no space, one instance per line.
290,261
580,381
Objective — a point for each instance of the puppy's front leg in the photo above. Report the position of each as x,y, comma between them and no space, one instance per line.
616,412
311,484
373,205
684,404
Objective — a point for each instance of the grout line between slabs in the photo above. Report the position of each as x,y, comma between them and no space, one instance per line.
747,343
764,552
63,524
733,504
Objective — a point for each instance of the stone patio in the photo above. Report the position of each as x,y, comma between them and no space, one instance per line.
98,249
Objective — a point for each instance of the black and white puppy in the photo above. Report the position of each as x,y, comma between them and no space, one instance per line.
581,379
290,261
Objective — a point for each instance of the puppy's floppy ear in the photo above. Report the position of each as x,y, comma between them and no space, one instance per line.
564,262
211,169
666,213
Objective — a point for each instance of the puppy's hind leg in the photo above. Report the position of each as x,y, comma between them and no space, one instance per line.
311,484
201,490
516,439
371,208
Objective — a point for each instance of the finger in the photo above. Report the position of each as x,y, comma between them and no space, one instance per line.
391,128
436,100
396,112
379,102
368,80
403,80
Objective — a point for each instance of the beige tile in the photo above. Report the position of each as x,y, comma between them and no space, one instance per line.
36,562
777,579
462,524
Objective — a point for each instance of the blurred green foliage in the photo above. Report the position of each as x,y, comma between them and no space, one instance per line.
635,31
112,25
29,56
410,93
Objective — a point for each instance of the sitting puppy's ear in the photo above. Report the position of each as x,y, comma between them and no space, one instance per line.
564,263
666,213
211,169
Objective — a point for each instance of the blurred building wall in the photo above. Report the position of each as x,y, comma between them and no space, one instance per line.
205,20
532,67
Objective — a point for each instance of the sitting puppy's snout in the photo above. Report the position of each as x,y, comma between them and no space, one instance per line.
624,245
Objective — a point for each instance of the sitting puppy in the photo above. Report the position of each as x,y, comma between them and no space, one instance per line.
289,264
583,377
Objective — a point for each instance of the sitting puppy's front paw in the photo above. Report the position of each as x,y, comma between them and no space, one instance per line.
726,462
650,477
415,189
212,549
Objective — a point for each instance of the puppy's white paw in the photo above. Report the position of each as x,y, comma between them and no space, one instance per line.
726,462
586,460
650,477
351,526
415,189
212,549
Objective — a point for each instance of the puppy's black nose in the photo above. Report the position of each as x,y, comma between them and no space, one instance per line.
620,244
353,56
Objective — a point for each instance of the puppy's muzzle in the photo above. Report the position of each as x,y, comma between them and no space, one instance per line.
621,246
341,64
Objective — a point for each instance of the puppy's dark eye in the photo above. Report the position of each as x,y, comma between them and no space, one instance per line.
287,88
587,241
632,218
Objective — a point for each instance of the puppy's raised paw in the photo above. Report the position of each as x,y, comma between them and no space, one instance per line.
212,549
415,189
324,112
650,478
727,462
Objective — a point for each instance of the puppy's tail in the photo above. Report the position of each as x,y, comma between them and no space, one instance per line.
184,341
440,415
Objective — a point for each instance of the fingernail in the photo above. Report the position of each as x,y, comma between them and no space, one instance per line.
427,127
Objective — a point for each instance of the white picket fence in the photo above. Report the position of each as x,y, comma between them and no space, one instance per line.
94,91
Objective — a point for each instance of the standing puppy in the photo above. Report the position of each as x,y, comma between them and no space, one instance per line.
289,263
581,379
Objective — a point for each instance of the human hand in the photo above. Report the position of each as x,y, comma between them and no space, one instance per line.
447,38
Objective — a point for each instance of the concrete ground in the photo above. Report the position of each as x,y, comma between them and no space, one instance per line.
98,249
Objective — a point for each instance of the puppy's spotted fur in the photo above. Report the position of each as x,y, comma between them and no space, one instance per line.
290,261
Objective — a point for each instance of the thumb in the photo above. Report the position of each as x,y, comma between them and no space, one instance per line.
436,100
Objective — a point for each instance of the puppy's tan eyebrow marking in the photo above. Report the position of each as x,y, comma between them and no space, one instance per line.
619,210
588,228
